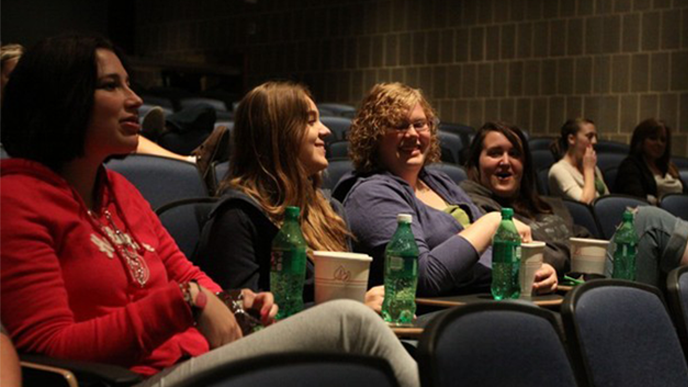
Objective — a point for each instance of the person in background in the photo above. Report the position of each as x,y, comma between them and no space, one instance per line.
88,272
648,172
576,175
9,57
393,138
501,174
279,164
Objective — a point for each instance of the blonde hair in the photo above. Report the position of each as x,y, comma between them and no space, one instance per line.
271,124
387,106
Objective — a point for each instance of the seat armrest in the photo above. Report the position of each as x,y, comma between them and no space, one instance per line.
87,373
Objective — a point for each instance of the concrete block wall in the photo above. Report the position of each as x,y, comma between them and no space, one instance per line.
531,62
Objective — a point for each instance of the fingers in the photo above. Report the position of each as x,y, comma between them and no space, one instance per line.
546,280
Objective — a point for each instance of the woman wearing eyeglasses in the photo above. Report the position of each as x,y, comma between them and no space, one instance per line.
393,138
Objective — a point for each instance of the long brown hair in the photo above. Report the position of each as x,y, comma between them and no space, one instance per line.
386,106
270,124
526,201
648,128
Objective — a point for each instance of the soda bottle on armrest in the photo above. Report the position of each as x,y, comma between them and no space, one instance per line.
401,275
288,265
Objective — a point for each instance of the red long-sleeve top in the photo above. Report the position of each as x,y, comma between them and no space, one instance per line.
66,292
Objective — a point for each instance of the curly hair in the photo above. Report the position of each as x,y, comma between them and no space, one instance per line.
387,106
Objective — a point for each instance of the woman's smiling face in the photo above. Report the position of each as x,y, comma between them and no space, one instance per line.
501,165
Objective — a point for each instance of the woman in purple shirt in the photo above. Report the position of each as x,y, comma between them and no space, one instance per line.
393,138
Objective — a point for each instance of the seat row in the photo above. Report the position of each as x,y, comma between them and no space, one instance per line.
617,333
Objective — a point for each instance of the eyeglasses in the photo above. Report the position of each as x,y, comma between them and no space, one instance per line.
418,126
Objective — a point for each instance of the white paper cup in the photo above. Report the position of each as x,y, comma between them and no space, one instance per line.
588,255
340,275
531,261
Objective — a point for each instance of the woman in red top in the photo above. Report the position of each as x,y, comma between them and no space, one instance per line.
88,272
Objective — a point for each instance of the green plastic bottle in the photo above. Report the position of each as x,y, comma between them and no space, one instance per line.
506,258
288,265
401,275
625,249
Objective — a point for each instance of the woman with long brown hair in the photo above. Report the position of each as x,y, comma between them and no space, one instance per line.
501,174
648,172
277,162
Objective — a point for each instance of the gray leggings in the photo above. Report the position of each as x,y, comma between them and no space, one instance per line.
337,326
661,245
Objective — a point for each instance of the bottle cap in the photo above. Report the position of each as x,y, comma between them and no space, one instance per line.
627,216
404,218
292,212
507,212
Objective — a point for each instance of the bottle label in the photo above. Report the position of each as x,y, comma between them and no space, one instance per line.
277,260
396,263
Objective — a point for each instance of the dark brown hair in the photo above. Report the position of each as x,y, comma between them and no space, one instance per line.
649,128
561,145
526,201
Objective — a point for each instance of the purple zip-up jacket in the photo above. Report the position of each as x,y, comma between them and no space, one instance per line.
447,262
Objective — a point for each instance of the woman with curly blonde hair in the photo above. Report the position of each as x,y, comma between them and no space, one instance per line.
393,138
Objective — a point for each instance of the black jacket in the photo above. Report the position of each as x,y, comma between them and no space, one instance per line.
236,243
635,178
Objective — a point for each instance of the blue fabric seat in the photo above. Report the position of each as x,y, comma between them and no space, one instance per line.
620,334
451,146
609,211
677,290
454,171
184,220
339,126
494,344
582,215
676,204
160,180
334,172
338,150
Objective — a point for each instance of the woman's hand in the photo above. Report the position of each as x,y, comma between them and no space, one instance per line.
524,231
263,302
589,158
546,280
216,322
374,297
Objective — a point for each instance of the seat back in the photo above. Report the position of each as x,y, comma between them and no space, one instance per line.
677,290
160,180
299,370
335,170
336,109
607,146
338,150
609,211
543,181
676,204
542,159
680,162
540,143
220,170
454,171
609,176
621,335
339,126
182,143
608,160
494,344
582,215
217,104
184,220
451,146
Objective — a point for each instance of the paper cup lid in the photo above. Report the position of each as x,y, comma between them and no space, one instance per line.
533,244
342,254
590,241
